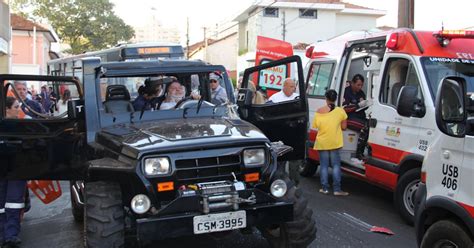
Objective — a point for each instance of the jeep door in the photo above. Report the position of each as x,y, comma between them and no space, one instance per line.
286,120
35,143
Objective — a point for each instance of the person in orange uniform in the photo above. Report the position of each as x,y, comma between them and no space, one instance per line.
330,121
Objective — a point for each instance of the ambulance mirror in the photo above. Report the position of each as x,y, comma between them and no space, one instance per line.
407,100
451,106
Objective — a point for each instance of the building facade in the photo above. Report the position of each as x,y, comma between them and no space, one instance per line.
154,31
5,37
31,46
297,21
218,52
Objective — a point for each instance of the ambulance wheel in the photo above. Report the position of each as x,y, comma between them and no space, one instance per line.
76,208
104,215
405,194
297,233
446,233
308,167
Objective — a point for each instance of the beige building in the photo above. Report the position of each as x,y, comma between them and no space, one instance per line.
217,52
5,37
154,31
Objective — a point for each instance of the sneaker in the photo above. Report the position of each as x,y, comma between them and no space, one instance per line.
324,191
357,161
12,243
341,193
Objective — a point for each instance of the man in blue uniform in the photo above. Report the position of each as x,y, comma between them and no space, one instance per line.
12,192
23,93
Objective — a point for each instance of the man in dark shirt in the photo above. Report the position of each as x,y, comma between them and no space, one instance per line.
353,95
23,92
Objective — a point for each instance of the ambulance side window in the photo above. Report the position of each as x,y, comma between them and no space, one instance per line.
412,79
319,79
400,72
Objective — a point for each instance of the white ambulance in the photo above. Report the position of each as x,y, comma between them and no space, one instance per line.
402,69
445,198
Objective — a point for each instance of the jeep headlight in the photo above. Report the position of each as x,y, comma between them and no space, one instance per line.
157,166
254,157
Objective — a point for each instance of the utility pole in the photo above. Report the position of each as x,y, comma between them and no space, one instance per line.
406,13
187,37
205,44
283,24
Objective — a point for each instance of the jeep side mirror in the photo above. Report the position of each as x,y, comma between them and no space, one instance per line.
450,107
75,109
408,103
244,98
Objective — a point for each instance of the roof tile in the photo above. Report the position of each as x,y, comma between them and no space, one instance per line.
20,23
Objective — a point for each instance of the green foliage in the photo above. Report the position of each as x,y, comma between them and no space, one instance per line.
86,25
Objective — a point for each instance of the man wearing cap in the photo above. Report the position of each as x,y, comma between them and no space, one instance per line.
287,93
218,93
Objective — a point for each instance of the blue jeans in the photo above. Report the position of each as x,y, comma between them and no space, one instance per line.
332,157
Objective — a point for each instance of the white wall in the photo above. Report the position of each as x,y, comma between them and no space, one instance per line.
198,55
300,29
254,28
348,22
224,52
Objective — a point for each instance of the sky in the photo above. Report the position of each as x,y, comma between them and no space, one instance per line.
429,14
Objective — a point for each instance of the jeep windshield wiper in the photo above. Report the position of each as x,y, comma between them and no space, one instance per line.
201,100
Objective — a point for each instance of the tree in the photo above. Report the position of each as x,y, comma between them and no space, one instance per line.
86,25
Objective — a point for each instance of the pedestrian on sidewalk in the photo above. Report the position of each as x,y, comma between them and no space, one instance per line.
330,121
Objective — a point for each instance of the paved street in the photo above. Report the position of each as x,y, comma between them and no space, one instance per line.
341,221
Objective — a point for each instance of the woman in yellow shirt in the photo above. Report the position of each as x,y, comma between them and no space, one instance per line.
330,121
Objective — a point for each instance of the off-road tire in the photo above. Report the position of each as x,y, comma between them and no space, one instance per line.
405,193
76,209
104,215
307,168
297,233
446,233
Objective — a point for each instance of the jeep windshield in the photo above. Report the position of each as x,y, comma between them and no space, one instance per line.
125,99
436,69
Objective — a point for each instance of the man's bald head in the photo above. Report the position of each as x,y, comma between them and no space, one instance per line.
289,87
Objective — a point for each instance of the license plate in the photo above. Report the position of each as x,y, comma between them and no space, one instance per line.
219,222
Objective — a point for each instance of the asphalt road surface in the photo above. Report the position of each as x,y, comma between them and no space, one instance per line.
341,222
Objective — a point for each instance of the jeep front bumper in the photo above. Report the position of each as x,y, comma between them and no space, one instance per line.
158,228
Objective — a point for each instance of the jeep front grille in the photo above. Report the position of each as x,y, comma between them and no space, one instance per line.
208,167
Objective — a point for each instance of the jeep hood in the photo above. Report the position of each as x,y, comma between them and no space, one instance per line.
177,134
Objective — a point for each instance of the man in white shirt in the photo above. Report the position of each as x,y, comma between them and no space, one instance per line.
286,94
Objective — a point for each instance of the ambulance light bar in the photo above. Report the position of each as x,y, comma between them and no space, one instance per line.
444,36
392,42
309,52
453,34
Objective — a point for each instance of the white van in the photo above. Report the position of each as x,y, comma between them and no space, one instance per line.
402,69
445,198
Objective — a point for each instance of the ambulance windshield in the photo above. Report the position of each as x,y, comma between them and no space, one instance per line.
438,68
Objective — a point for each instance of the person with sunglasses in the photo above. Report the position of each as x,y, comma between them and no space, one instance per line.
12,192
218,93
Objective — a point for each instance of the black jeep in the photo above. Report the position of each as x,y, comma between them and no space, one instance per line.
140,175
